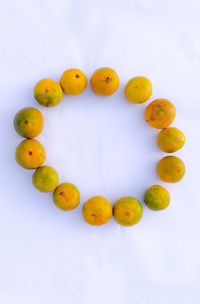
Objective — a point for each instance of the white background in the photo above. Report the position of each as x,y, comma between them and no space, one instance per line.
102,145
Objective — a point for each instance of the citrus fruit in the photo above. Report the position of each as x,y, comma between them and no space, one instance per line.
104,81
127,211
45,179
30,154
171,169
48,92
66,196
157,198
138,90
73,82
160,113
97,211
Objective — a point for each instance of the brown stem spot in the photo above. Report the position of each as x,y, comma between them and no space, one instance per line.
30,153
108,79
93,214
77,76
25,122
127,213
61,193
46,92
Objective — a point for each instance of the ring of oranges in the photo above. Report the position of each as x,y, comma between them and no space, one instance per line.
159,114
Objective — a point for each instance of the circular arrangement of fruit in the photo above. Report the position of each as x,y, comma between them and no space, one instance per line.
159,114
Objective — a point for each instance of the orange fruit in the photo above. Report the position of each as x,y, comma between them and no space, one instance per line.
45,179
73,82
160,113
28,122
127,211
171,169
30,154
138,90
97,211
170,140
48,92
157,198
66,196
104,81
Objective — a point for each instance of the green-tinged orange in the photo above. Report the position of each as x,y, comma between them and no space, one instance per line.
73,82
48,92
97,211
171,169
30,154
138,90
160,113
170,140
45,179
104,81
157,198
127,211
66,196
28,122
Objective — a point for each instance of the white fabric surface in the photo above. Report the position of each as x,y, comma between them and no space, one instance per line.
104,146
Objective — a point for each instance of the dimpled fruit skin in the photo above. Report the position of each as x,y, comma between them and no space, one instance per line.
66,196
30,154
138,90
97,211
127,211
170,140
170,169
45,179
73,82
28,122
104,81
48,92
160,113
157,198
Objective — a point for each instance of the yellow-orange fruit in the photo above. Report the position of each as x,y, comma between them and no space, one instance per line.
160,113
157,198
30,154
138,90
171,169
170,140
28,122
104,81
127,211
97,211
66,196
45,179
73,82
48,92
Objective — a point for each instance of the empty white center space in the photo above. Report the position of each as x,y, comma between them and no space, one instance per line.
101,144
